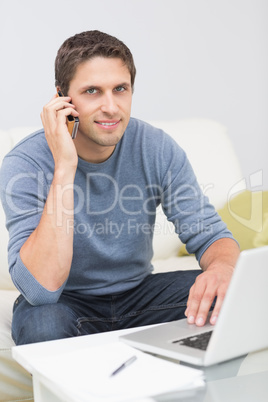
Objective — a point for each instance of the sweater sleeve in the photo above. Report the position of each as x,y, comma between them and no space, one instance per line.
24,188
195,219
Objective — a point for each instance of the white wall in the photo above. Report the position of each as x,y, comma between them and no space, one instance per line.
195,58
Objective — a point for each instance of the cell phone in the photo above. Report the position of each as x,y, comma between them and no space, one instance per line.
72,122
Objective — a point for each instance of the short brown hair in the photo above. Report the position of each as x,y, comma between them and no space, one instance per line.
84,46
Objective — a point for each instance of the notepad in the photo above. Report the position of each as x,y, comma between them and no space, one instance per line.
85,375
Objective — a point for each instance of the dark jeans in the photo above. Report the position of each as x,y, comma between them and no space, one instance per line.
159,298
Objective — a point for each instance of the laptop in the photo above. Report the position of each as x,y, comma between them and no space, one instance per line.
241,328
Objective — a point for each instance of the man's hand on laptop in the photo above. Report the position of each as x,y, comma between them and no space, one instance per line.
218,264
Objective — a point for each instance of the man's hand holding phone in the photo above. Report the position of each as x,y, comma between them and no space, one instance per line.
55,119
72,122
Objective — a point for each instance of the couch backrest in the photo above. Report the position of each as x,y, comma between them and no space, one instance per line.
215,163
210,152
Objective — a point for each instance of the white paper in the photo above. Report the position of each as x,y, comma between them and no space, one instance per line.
85,375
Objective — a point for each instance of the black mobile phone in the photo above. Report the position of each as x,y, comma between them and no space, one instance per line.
72,122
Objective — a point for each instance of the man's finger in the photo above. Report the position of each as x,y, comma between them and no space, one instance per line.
195,296
216,310
205,305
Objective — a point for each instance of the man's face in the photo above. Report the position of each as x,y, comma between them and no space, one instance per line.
102,94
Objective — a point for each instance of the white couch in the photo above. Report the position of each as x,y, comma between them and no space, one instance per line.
214,161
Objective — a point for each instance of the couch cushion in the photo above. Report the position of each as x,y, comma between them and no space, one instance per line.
261,239
7,299
15,382
175,264
246,216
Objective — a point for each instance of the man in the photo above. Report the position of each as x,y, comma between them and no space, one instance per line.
76,208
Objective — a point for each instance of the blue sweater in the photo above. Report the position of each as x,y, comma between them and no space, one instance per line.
115,206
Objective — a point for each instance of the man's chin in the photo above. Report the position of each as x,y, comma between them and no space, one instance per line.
109,143
107,140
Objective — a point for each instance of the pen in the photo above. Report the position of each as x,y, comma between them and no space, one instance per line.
124,365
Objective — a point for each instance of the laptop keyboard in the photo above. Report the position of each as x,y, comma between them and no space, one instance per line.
199,341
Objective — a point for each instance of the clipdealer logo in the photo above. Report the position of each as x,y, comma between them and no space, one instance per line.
94,199
131,199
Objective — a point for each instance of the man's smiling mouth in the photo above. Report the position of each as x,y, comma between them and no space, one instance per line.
104,123
108,124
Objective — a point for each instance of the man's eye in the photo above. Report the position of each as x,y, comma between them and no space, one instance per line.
91,91
120,89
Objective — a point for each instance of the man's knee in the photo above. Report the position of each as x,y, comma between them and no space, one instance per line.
42,323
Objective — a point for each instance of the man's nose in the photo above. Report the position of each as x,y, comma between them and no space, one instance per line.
109,104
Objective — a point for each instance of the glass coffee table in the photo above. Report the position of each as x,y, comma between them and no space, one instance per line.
243,379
